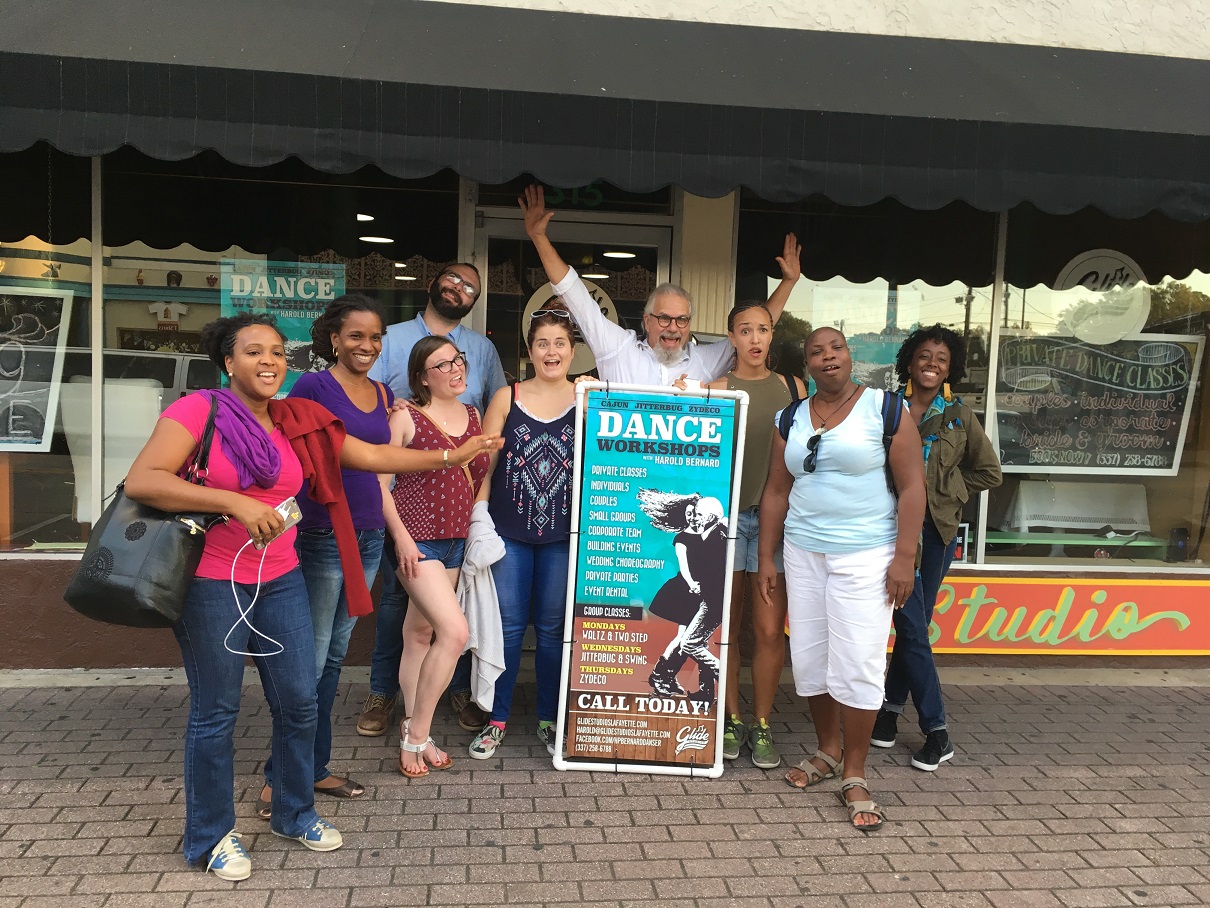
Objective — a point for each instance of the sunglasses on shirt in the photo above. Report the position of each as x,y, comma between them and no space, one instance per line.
808,463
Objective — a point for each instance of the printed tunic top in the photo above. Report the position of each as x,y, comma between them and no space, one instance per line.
530,497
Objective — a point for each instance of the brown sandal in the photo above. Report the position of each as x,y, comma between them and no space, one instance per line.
346,789
264,806
860,806
815,775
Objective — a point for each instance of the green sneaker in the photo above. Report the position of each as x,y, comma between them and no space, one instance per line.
734,735
764,751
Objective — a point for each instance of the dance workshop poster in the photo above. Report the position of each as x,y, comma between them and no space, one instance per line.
650,584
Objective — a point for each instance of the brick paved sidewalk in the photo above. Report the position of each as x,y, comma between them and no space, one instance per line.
1059,796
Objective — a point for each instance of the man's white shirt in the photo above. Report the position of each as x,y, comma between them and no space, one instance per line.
622,357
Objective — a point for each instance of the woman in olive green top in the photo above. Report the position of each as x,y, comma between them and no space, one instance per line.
750,328
959,462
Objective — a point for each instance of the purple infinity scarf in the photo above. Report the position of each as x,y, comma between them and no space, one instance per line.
245,442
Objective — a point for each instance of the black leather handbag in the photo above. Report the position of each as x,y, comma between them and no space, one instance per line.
140,561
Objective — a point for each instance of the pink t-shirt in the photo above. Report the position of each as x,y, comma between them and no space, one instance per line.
225,539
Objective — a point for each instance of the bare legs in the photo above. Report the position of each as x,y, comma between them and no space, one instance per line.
769,653
434,636
827,716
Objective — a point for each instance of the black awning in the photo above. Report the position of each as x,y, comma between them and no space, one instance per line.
414,87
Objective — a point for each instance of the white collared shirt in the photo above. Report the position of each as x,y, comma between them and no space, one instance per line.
622,357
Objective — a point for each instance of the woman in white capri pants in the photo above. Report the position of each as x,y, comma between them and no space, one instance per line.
850,558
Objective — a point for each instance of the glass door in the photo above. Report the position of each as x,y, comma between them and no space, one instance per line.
620,263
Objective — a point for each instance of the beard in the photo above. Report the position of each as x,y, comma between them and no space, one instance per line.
444,306
668,356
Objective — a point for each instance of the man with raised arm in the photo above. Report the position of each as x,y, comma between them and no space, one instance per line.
666,354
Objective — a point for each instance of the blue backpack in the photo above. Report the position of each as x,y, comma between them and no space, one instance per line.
892,411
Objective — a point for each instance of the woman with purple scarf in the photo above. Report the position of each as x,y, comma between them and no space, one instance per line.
248,596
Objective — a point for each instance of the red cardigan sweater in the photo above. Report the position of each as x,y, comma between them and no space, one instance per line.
317,437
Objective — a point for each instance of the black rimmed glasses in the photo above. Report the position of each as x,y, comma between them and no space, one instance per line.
808,462
447,364
460,282
682,321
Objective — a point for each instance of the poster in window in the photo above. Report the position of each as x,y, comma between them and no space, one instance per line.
1121,408
649,582
295,293
33,337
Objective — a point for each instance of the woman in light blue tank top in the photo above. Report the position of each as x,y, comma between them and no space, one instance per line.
850,558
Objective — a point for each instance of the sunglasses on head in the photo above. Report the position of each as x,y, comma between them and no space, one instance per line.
808,463
561,313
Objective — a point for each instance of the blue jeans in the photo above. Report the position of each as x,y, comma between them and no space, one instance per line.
531,583
912,668
388,634
215,678
325,580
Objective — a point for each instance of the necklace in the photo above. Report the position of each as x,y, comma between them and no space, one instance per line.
823,421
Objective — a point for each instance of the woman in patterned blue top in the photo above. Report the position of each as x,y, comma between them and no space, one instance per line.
528,491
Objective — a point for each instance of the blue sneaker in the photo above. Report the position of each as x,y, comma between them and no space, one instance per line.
228,860
322,836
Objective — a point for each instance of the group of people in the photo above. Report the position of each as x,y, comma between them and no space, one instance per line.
411,453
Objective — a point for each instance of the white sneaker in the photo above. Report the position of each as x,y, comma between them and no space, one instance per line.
228,860
322,836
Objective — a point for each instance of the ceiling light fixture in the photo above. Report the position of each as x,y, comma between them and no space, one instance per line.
404,277
597,275
375,239
401,264
365,217
617,254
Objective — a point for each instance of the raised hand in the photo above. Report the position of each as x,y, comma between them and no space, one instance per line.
533,204
791,270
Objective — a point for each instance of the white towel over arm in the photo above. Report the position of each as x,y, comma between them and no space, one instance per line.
481,605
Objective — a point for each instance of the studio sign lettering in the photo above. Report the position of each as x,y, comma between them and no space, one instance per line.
1169,370
983,619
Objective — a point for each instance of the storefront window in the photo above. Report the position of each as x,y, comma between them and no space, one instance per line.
45,292
877,274
1100,416
179,239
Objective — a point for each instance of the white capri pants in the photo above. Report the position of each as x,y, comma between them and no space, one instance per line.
839,623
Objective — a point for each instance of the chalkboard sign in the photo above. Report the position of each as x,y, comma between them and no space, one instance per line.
33,324
1123,408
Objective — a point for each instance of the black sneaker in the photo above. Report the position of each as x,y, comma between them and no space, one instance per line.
937,749
885,729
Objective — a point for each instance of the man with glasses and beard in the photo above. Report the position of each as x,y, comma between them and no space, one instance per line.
452,295
665,355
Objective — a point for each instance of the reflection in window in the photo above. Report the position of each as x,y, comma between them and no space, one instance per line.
1099,417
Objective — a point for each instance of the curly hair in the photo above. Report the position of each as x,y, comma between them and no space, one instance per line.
332,320
218,336
667,509
938,334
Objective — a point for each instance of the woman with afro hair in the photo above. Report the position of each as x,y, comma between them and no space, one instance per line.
959,461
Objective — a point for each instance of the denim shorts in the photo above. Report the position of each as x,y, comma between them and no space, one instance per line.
449,552
747,532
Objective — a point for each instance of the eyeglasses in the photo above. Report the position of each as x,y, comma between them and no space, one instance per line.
682,321
460,282
808,463
561,313
447,364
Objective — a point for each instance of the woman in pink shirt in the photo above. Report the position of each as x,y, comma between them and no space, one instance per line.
248,595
